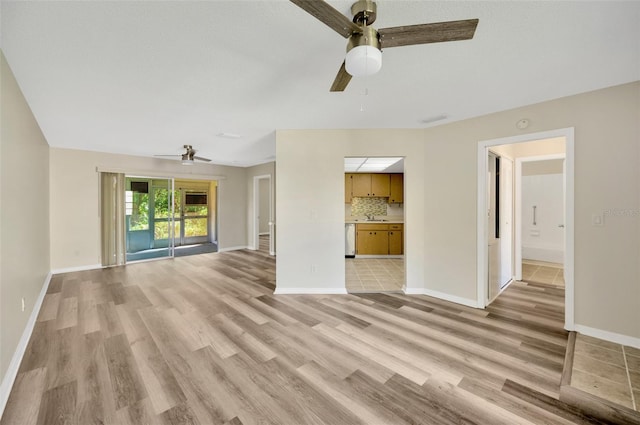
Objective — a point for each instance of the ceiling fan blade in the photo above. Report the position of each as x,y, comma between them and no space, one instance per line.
325,13
427,33
199,158
166,156
342,79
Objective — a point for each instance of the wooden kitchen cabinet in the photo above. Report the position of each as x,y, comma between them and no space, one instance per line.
379,239
372,242
396,242
380,185
370,185
361,185
396,188
348,187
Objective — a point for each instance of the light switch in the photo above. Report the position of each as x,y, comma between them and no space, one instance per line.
597,220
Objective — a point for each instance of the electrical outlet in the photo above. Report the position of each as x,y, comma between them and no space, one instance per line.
22,303
314,268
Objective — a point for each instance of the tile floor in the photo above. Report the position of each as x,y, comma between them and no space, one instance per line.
542,272
607,370
374,274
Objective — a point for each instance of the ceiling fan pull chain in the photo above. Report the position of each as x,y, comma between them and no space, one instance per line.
364,94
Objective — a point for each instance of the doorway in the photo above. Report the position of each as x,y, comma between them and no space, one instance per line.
166,217
375,225
540,202
263,223
521,144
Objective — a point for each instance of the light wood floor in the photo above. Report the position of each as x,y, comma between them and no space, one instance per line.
203,340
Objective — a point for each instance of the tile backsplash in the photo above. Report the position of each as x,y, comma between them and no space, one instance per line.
368,206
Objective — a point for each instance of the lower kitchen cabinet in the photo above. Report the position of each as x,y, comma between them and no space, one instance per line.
372,242
379,239
395,242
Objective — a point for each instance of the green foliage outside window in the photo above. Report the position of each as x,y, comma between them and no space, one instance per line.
139,219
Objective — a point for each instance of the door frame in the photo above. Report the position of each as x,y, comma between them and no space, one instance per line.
518,204
256,212
482,231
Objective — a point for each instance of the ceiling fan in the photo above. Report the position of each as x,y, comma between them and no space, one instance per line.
364,54
189,157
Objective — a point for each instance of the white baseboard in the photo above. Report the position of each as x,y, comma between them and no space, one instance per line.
441,295
234,248
608,336
76,269
312,291
12,371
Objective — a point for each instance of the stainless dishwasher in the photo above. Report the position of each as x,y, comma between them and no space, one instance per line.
350,240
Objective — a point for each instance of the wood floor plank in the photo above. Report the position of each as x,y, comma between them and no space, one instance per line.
158,379
24,403
127,384
58,405
50,305
203,340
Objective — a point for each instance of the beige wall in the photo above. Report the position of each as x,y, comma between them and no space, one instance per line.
607,160
24,213
442,195
310,202
75,220
268,169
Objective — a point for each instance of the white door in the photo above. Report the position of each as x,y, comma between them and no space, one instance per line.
506,221
493,227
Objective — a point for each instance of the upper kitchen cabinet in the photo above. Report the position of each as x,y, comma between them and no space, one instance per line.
396,193
370,185
348,187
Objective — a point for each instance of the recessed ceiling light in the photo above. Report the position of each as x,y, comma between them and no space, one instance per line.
435,118
230,135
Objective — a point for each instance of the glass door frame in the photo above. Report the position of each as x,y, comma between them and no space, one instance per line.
170,220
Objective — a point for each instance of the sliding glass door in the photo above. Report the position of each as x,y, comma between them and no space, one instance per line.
149,218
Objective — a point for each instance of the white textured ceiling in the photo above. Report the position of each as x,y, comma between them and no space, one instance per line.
146,77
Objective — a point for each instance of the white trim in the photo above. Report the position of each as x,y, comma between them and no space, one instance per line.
12,371
481,237
311,291
518,204
256,209
234,248
469,302
77,269
608,336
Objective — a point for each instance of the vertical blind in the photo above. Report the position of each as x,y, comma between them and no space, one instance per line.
112,225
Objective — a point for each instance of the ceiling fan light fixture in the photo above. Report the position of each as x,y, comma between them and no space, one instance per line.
362,61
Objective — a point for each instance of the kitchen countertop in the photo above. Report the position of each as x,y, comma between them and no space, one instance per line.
359,220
